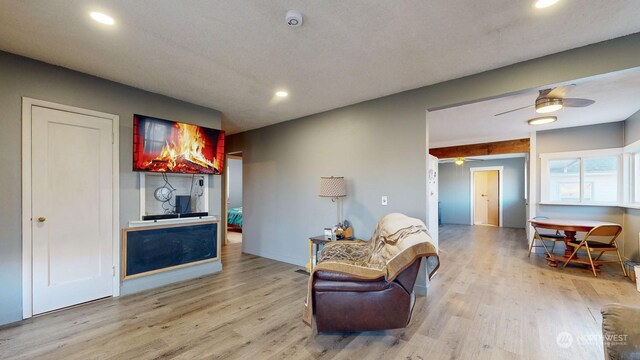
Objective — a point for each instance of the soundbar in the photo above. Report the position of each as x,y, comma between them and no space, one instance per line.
160,217
194,214
175,216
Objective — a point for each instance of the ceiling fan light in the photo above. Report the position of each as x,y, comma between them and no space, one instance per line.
102,18
548,105
541,4
542,120
459,161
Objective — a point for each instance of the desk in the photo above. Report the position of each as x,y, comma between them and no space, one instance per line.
570,228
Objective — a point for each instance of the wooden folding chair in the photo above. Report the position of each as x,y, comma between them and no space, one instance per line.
610,232
544,236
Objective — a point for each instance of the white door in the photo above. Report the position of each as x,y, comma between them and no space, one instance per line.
493,197
71,208
486,197
481,208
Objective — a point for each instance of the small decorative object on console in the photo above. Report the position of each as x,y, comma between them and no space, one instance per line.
339,232
348,233
347,230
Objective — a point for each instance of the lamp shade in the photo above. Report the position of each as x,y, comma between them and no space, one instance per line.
332,186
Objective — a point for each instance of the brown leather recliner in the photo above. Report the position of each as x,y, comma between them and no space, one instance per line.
346,304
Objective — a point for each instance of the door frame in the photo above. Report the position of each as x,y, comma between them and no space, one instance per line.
27,255
225,189
472,171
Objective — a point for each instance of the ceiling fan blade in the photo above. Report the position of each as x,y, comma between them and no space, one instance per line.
574,102
506,112
560,92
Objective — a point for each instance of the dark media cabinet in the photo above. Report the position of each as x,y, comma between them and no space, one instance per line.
165,245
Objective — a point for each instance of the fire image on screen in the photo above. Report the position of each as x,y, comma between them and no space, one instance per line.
169,146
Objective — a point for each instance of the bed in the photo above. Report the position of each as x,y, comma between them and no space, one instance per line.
234,219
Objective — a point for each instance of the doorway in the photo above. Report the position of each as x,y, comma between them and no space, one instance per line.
234,199
486,196
70,206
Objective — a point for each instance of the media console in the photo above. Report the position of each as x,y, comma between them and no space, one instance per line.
154,246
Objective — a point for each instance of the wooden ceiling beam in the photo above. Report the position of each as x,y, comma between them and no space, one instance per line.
492,148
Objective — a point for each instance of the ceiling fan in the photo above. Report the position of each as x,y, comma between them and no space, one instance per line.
550,100
459,160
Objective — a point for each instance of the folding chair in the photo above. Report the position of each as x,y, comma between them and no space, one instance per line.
610,232
544,236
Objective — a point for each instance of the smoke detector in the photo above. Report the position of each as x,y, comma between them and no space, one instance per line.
294,18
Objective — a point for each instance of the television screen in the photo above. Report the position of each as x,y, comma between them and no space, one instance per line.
170,146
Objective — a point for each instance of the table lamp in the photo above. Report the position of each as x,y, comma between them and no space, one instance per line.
335,188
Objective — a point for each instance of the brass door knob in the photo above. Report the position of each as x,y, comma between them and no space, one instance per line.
42,219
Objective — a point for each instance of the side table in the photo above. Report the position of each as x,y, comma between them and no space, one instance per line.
314,245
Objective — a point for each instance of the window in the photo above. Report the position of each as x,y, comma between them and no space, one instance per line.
564,180
587,177
601,179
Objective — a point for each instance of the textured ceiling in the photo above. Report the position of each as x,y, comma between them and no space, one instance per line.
233,55
616,98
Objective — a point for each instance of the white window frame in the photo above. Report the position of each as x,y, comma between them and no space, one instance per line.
630,152
581,155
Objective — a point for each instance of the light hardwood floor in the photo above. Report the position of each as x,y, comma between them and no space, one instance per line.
488,301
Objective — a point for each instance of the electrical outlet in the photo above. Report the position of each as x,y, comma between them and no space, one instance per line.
384,200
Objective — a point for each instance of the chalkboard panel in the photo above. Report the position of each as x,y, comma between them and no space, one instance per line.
153,249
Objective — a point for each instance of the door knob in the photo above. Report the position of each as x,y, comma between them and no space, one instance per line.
42,219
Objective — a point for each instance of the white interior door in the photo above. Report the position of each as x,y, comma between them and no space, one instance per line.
72,207
486,195
493,197
486,210
481,206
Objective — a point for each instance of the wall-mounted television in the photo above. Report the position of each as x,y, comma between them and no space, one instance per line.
174,147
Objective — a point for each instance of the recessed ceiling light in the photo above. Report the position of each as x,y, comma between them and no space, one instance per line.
282,94
541,4
542,120
102,18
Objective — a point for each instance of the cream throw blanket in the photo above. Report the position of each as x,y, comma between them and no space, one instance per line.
396,243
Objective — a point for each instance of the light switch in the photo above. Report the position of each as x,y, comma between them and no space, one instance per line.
384,199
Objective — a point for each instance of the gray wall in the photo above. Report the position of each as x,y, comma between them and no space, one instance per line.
632,128
380,147
631,226
377,146
455,192
592,137
235,182
24,77
632,216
